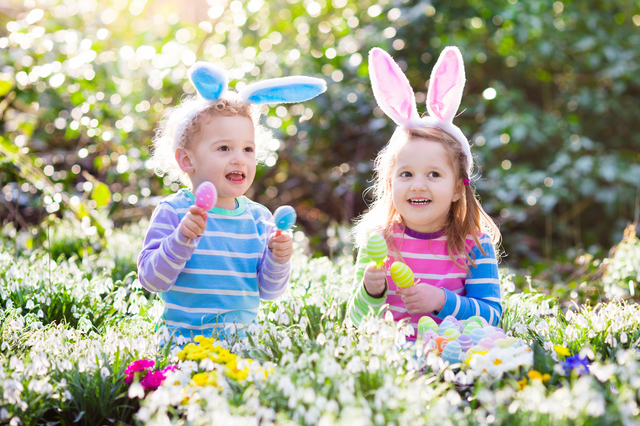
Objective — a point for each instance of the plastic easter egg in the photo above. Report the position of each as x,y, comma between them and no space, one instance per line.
402,275
511,340
465,342
486,343
377,248
501,342
497,335
477,350
476,319
451,334
441,343
426,323
470,326
429,337
477,335
484,322
206,196
453,320
444,326
452,352
285,217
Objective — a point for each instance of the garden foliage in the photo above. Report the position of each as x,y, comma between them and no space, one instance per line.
69,334
550,105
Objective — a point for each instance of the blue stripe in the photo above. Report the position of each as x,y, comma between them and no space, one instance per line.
213,301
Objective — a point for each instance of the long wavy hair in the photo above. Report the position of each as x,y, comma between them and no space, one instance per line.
466,216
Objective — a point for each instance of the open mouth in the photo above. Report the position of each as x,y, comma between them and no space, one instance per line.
419,201
235,176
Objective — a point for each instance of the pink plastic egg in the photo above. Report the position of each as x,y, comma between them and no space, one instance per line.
486,343
206,196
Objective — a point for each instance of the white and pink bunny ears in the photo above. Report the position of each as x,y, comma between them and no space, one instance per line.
395,96
211,83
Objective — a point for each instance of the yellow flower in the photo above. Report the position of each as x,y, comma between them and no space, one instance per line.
204,340
522,383
561,350
234,372
197,354
205,379
182,355
497,362
534,375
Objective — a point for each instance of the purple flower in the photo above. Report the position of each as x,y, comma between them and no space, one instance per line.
153,380
576,362
140,366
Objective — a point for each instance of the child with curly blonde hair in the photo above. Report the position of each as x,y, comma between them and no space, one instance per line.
212,267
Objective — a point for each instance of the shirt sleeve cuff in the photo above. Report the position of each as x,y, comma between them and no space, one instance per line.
450,304
370,299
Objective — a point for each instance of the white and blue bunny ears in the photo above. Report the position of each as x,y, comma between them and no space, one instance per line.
211,82
395,95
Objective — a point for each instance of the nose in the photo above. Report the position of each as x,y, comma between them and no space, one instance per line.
238,158
418,184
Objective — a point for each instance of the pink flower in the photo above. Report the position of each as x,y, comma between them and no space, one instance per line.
170,368
153,380
140,366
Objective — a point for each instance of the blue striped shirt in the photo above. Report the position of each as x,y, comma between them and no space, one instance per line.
218,279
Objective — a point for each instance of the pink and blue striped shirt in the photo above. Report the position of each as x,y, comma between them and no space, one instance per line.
469,291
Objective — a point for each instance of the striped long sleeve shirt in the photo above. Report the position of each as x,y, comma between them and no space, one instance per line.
475,291
214,280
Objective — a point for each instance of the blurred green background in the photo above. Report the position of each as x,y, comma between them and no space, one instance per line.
551,105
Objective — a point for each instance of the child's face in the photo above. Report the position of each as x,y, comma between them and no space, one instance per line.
223,153
424,185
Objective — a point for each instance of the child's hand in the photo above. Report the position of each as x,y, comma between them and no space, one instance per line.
422,298
375,280
281,247
194,223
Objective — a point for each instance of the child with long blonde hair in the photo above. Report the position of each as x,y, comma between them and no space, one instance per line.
425,207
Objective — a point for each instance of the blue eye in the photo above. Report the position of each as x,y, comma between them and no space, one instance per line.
405,174
434,174
223,148
248,149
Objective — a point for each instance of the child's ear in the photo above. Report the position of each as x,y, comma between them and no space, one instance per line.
184,161
457,194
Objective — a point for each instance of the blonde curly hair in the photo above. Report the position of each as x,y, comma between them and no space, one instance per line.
182,122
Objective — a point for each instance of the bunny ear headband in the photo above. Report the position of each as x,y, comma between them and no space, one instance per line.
211,83
395,96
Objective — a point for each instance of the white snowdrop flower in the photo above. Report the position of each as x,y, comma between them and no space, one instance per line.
284,319
207,364
379,419
623,338
286,343
449,376
286,386
321,339
104,372
293,401
374,364
355,365
308,395
312,416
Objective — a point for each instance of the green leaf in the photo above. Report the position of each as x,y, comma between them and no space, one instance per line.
101,194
